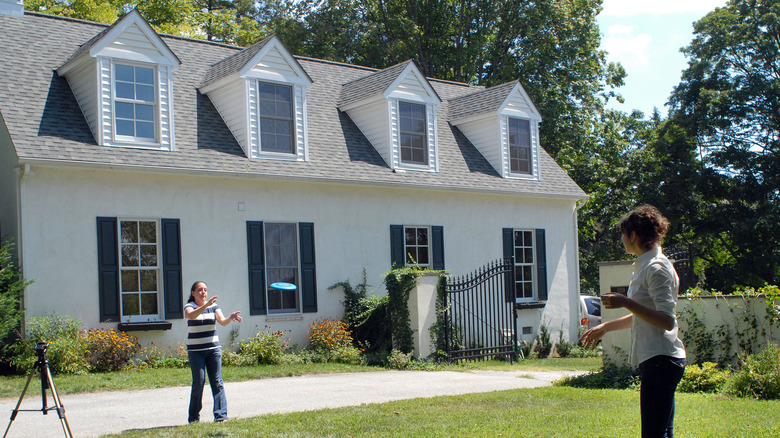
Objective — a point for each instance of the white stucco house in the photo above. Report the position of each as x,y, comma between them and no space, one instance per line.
133,164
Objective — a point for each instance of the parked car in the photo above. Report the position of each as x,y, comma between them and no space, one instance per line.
590,311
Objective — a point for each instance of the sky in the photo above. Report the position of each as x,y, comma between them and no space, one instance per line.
646,38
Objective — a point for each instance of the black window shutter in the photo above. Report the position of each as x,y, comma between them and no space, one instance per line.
509,253
172,284
108,269
437,240
308,268
541,265
397,256
256,252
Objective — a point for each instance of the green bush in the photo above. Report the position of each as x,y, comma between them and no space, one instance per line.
758,376
331,341
542,346
610,377
110,350
67,351
11,287
366,317
703,378
265,348
154,357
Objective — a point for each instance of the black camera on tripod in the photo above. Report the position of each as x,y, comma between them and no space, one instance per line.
41,347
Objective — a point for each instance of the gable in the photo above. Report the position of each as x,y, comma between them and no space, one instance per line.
274,65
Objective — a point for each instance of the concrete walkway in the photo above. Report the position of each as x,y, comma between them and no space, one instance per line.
95,414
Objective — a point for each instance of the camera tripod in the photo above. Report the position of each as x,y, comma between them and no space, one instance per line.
42,366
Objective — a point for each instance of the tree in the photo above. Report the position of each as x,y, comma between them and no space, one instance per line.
729,98
11,288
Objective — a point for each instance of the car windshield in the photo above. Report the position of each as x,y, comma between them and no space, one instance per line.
593,305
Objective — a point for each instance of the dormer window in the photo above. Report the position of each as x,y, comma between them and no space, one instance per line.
277,126
414,142
135,103
520,146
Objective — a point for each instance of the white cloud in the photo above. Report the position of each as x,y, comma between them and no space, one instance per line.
626,47
658,7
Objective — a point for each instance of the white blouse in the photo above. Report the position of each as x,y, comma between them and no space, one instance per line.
654,285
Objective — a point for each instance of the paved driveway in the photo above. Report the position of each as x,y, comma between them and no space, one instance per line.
95,414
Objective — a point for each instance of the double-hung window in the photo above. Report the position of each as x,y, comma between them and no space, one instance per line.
525,264
140,270
520,146
281,253
135,103
413,140
277,126
417,246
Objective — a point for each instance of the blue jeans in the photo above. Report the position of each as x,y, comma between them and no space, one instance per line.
659,377
202,362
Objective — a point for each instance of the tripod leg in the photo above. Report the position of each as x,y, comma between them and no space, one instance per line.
19,403
58,405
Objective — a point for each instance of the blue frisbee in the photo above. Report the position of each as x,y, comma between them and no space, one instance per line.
284,286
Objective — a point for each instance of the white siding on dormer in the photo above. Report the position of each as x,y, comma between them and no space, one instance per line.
411,88
105,111
231,103
430,138
275,67
485,134
372,120
83,82
517,106
165,78
133,44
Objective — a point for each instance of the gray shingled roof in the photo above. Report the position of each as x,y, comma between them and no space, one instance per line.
236,62
46,125
480,102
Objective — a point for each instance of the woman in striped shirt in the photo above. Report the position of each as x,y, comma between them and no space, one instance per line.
204,350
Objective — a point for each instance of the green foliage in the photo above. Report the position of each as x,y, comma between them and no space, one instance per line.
265,347
573,349
758,376
331,341
542,345
154,357
11,288
703,378
68,347
367,317
399,283
608,377
109,350
698,340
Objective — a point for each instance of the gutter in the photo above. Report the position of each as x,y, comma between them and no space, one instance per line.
305,179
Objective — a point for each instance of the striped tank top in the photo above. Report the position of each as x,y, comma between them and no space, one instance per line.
202,332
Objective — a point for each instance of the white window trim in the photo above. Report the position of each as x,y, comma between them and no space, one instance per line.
535,153
160,299
298,292
300,134
139,142
431,137
430,246
535,292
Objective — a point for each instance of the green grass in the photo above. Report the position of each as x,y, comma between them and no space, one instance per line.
541,412
11,386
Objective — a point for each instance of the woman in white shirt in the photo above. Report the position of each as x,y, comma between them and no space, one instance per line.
651,299
204,350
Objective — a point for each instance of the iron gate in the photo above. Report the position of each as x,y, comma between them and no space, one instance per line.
682,258
480,318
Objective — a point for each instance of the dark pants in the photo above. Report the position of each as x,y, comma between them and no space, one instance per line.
660,376
202,363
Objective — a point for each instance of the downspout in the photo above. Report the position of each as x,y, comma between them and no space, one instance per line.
24,171
575,327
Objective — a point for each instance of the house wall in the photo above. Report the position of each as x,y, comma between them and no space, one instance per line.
351,228
9,187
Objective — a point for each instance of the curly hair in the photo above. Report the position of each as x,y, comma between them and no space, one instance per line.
648,223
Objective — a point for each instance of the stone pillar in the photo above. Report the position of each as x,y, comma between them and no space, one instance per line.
422,314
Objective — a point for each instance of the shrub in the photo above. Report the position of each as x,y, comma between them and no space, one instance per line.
399,360
265,348
67,351
110,350
332,339
609,377
703,378
542,347
758,376
11,287
154,357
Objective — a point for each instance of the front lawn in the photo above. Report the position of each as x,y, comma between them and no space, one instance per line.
542,412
